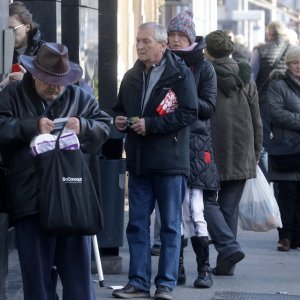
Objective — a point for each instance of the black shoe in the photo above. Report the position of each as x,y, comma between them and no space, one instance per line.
163,292
204,279
155,250
224,265
295,244
130,291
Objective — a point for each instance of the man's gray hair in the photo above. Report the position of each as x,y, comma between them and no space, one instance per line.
160,31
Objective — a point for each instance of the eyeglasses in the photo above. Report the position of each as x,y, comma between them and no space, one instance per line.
16,27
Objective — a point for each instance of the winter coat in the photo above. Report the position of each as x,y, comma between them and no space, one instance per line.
165,147
34,44
268,53
20,110
236,124
284,109
203,169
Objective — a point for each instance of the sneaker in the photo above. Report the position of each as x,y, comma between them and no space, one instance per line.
130,291
163,292
155,250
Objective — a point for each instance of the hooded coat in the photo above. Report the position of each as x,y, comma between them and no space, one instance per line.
236,125
203,169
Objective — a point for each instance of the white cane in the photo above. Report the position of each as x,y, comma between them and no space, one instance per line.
98,261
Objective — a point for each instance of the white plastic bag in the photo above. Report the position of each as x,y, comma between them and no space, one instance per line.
258,208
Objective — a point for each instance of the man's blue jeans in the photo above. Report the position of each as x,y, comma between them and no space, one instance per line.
168,191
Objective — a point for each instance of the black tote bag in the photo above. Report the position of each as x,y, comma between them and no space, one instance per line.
69,199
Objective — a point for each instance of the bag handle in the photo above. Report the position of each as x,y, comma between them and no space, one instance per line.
280,55
58,137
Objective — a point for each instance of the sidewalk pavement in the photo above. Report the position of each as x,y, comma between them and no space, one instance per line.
264,274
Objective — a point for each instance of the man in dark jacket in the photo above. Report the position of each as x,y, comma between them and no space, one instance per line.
156,105
22,107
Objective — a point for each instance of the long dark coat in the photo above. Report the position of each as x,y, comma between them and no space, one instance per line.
236,125
203,169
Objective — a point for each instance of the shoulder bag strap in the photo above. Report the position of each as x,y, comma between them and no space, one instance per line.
275,64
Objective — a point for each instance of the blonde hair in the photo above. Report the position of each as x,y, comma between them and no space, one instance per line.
293,54
276,29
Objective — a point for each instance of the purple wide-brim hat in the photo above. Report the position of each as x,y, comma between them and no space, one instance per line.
52,65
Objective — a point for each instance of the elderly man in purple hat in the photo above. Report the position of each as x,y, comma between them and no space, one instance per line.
49,81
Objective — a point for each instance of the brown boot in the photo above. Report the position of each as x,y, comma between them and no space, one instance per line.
284,245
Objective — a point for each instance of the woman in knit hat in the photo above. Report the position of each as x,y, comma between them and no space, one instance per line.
203,182
236,138
284,110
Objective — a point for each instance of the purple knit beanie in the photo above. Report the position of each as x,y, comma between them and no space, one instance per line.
183,22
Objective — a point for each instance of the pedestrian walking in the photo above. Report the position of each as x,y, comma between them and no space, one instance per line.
236,139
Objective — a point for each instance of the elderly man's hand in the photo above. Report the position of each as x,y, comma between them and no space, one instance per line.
73,123
45,125
139,126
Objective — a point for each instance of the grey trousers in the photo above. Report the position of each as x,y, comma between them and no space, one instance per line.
221,216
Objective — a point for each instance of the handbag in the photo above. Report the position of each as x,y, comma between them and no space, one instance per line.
69,197
284,154
258,208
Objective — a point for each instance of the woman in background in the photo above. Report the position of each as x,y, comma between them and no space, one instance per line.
27,38
284,109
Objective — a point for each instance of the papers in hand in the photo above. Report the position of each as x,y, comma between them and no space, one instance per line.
46,142
59,123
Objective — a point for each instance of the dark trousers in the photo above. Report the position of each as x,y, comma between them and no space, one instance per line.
289,206
219,231
38,252
229,199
